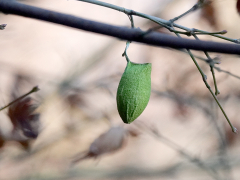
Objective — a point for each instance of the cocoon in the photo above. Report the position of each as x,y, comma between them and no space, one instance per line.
134,91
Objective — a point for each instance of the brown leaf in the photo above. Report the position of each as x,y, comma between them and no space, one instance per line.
2,141
238,6
107,142
23,117
208,13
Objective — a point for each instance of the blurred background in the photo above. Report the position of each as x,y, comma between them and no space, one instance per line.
182,134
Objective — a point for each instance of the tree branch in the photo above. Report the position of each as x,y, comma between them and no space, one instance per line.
137,35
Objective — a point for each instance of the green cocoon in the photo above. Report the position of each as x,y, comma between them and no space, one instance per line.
134,91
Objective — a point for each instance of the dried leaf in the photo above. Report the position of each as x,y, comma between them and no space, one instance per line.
107,142
238,6
2,141
208,13
23,118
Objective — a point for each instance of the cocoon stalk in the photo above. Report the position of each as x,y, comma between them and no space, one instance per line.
134,91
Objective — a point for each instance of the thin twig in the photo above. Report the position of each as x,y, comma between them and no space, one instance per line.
153,131
165,23
217,68
34,89
223,156
194,8
128,42
211,64
153,38
204,77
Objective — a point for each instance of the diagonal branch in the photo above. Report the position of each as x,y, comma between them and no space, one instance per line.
137,35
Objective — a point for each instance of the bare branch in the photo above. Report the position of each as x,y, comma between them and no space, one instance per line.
137,35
